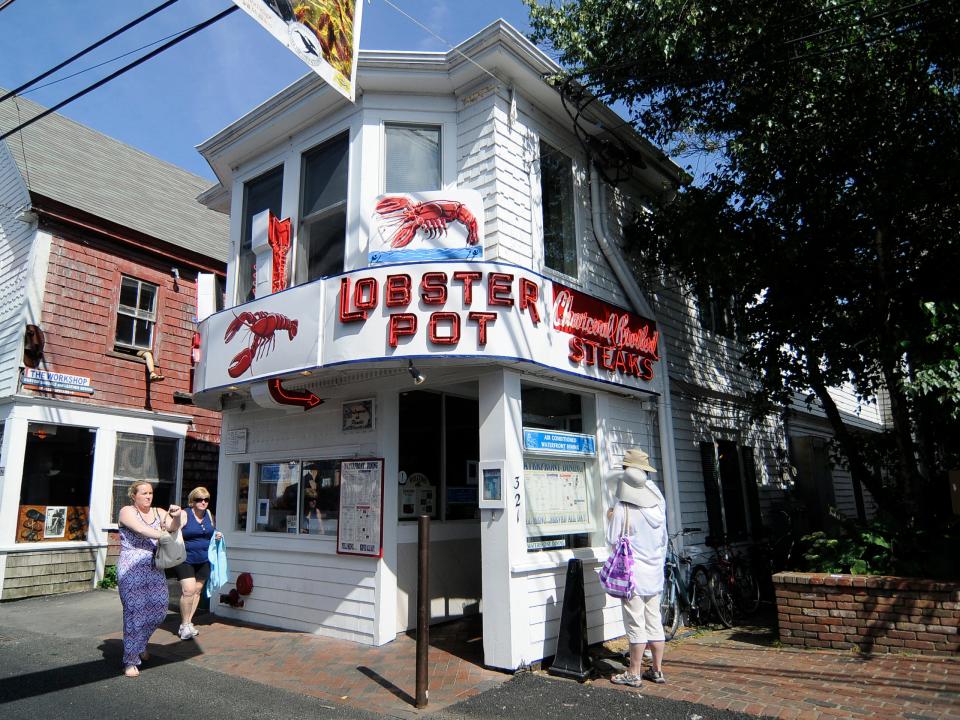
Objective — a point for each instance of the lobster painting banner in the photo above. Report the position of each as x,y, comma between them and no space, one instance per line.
271,335
426,226
325,34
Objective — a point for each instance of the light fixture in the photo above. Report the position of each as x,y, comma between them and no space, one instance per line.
418,378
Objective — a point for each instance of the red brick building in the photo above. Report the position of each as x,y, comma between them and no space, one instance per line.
106,262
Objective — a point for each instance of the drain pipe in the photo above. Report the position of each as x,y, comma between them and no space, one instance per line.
641,306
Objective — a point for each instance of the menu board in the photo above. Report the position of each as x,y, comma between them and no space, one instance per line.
360,531
556,494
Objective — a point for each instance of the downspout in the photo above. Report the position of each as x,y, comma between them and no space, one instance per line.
641,306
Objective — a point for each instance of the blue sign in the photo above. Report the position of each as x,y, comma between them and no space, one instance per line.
557,442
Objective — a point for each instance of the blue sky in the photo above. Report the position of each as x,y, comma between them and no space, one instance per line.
173,102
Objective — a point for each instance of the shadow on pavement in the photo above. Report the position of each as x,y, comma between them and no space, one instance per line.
386,684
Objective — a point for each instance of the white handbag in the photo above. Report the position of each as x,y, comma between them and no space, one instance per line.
170,551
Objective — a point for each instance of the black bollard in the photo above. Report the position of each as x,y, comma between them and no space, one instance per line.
572,660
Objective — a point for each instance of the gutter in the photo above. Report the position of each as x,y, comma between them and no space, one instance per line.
641,306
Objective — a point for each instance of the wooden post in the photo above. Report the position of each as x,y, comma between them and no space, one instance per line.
423,610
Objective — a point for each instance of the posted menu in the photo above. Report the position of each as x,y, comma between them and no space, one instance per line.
360,531
557,502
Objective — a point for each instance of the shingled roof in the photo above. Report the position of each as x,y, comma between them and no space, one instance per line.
80,167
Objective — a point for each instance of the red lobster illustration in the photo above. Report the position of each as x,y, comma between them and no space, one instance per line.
431,216
262,326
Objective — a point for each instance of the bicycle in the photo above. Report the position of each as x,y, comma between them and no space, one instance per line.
734,588
680,598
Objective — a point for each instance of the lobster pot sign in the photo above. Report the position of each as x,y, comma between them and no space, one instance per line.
274,334
426,226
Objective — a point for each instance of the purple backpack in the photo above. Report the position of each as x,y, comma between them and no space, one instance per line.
616,575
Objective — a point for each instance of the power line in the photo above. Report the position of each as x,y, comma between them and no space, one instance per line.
83,52
192,31
5,3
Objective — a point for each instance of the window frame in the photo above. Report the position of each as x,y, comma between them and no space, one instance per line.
387,124
718,504
547,147
179,445
305,222
300,465
152,317
245,240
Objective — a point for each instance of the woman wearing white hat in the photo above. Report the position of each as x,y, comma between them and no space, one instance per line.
641,511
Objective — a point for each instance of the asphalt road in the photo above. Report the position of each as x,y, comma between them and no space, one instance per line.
55,665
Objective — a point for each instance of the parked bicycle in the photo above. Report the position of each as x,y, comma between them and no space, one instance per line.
735,591
686,594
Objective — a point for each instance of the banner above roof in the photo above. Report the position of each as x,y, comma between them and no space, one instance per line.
325,34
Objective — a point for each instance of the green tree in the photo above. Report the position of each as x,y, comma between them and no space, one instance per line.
833,205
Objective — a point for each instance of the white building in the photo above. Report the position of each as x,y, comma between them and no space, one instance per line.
447,226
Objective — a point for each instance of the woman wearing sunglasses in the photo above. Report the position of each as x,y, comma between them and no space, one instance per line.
197,528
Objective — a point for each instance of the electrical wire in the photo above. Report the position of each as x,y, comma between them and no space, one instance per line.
83,52
192,31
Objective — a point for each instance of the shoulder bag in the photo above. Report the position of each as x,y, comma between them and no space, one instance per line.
616,575
170,550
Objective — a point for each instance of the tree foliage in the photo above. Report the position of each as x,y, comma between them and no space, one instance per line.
832,208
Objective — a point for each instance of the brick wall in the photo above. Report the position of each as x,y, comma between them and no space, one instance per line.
869,612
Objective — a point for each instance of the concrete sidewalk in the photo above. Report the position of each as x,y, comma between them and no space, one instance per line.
739,670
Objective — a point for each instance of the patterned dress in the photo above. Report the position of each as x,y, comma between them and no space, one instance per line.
143,590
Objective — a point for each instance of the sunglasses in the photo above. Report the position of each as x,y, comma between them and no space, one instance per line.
200,499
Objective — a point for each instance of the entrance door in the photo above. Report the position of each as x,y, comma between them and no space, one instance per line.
439,446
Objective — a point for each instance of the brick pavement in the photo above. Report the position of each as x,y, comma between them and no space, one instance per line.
739,670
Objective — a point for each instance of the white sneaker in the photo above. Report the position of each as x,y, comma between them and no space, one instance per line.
194,630
185,633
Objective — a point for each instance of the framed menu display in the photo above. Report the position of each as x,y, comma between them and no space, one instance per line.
360,530
557,499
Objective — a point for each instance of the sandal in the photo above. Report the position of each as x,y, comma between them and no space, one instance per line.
628,679
131,671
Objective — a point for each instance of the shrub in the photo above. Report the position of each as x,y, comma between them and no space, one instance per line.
109,577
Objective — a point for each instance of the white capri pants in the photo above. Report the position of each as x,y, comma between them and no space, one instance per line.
641,619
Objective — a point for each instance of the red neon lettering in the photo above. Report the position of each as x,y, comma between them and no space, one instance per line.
401,324
591,351
576,350
468,279
648,368
529,292
345,314
482,318
438,317
606,357
498,283
397,291
284,396
433,287
365,294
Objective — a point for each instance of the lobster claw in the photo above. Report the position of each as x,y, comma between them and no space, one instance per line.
240,363
393,204
244,319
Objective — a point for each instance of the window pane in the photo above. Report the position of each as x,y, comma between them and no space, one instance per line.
148,296
277,495
128,292
420,432
144,457
324,176
124,330
462,443
556,185
551,409
55,490
412,158
243,493
262,193
320,486
143,334
322,244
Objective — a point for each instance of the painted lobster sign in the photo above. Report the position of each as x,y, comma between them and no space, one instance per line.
273,335
418,227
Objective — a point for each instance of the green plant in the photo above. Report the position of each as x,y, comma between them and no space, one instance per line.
858,551
109,577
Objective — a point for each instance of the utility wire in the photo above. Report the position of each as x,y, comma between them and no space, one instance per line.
192,31
5,3
83,52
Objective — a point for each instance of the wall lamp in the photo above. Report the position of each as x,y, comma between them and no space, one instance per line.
417,376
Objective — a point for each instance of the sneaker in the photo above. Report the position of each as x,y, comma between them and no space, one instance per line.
193,630
184,632
654,676
626,679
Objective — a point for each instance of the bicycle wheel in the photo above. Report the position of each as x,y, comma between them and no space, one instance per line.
748,589
670,608
700,596
724,600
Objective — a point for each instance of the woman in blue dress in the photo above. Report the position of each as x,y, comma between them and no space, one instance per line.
143,588
194,571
